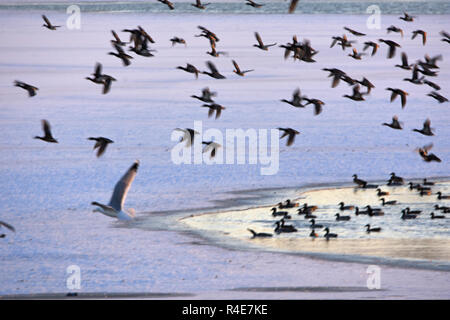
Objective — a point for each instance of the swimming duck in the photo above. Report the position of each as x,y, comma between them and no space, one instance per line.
260,44
259,234
309,208
313,234
206,95
47,133
238,71
276,213
356,33
356,96
48,24
314,225
392,45
433,216
441,197
101,143
31,89
342,218
438,97
288,204
358,212
409,211
281,227
372,44
374,212
214,107
382,193
394,29
190,68
369,229
296,99
442,208
413,186
388,203
329,235
395,124
415,33
214,72
199,5
426,130
359,182
317,105
342,207
396,178
425,193
405,65
406,216
291,133
427,183
427,157
406,17
308,215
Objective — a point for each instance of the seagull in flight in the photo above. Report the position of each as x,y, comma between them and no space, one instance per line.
114,208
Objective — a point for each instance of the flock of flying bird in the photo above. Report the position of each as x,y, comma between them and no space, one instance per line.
140,41
305,210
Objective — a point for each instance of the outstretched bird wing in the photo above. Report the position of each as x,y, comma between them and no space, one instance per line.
122,187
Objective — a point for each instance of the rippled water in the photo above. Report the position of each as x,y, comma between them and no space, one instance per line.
421,238
318,7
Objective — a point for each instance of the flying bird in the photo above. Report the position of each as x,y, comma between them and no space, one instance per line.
296,99
48,24
101,143
211,146
356,33
422,33
121,55
199,5
395,124
190,68
214,72
7,226
427,157
253,4
115,206
47,133
392,45
31,89
406,17
292,6
371,44
291,133
206,95
176,40
437,96
395,29
398,92
238,71
260,44
214,107
168,3
189,135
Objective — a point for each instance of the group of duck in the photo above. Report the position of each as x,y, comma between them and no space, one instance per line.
305,210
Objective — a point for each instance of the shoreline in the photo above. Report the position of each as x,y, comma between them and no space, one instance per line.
265,200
